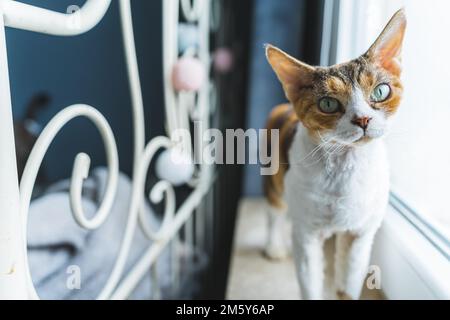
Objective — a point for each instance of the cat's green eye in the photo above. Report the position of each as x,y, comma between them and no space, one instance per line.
381,93
329,105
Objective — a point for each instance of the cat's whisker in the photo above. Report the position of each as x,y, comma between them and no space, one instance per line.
333,149
313,152
322,154
317,160
317,148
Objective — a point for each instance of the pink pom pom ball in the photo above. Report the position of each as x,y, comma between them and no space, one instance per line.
188,74
223,60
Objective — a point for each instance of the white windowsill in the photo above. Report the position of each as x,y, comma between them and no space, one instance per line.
411,267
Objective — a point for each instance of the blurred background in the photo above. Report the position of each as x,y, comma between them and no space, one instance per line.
412,249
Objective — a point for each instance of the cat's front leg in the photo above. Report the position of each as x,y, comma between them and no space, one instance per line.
351,263
276,247
309,260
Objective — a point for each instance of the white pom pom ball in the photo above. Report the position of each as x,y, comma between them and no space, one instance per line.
174,166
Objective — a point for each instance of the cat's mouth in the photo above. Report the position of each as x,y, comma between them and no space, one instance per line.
354,139
365,138
352,136
360,136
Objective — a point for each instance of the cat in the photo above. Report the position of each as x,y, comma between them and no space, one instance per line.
334,173
26,132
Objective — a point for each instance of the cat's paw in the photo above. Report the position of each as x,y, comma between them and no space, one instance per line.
276,252
341,295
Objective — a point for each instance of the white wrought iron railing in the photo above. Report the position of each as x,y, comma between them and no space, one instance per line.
181,107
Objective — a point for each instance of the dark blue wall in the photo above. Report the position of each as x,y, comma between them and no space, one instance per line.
278,23
89,69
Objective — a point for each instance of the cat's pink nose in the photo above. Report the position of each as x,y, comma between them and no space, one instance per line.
362,122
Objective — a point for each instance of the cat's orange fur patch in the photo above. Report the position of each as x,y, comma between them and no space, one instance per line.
336,85
284,119
368,81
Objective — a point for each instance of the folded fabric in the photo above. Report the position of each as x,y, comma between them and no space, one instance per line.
57,244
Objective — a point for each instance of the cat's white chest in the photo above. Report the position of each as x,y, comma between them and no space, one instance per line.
345,192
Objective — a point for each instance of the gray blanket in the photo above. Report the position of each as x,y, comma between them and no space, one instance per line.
58,247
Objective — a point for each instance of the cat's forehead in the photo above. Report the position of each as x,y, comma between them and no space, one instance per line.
346,76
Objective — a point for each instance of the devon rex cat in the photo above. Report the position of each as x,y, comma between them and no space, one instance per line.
334,172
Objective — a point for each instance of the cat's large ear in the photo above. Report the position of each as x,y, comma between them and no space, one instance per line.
293,74
387,49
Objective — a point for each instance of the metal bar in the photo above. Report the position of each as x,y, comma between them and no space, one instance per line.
13,275
27,17
141,267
